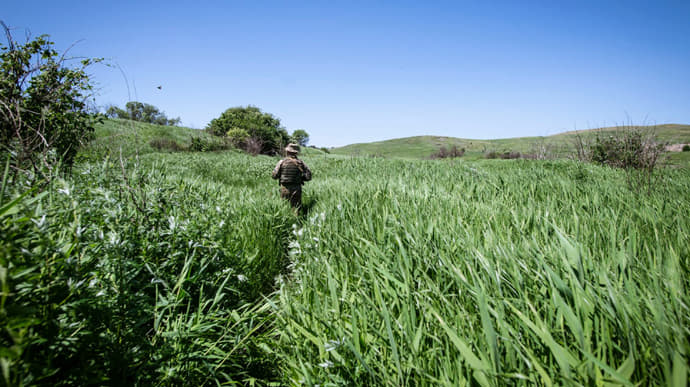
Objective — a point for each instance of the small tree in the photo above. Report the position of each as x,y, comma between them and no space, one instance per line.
44,116
262,127
301,137
142,112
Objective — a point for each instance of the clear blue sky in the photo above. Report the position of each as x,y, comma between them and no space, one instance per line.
360,71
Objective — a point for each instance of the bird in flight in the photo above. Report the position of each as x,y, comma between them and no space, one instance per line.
159,87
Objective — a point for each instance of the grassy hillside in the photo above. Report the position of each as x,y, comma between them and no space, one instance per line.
422,147
186,268
134,137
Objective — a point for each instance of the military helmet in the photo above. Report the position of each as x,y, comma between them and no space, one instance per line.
292,148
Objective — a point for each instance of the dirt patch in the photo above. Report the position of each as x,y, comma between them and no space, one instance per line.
674,147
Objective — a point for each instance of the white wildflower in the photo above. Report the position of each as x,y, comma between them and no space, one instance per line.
241,278
326,364
40,222
65,191
113,238
333,344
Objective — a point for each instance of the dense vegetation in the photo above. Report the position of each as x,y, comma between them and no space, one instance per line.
44,111
170,268
251,129
254,131
147,276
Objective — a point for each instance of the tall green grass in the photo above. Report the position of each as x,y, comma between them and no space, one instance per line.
187,268
141,274
427,273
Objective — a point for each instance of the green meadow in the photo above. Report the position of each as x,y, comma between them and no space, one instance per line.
148,266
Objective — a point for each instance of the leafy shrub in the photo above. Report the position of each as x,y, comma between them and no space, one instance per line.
627,150
506,155
264,127
201,144
631,148
162,143
686,148
325,150
445,153
44,117
238,137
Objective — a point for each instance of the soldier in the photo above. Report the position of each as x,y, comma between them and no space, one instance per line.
292,173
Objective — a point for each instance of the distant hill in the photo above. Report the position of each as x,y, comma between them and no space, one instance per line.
421,147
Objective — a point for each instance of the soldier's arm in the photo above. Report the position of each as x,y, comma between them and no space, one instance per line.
306,173
276,170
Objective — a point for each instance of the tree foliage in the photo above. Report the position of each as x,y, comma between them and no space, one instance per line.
238,137
44,116
142,112
301,137
263,129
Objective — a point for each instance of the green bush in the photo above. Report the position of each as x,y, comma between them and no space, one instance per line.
453,152
238,137
686,148
263,128
202,144
627,149
44,117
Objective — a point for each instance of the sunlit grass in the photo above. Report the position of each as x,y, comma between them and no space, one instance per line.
489,273
399,272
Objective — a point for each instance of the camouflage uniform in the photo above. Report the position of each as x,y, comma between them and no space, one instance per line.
292,172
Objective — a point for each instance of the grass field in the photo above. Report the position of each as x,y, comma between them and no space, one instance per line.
187,268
